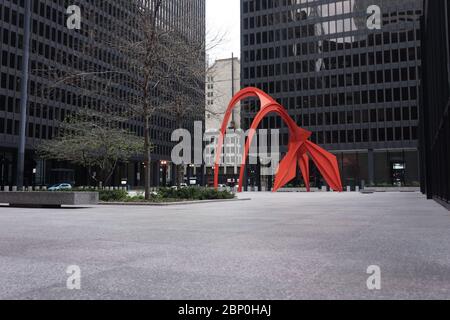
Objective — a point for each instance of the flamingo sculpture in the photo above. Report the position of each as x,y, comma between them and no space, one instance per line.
300,149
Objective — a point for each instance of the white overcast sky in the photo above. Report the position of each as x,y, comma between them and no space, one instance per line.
223,17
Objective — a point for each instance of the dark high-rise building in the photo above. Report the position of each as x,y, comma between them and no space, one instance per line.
345,73
435,122
54,46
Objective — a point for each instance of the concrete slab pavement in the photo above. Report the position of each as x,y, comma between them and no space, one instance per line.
276,246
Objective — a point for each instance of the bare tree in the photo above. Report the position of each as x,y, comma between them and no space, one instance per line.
93,140
187,103
155,54
170,64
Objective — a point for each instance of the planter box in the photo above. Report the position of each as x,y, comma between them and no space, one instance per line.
48,199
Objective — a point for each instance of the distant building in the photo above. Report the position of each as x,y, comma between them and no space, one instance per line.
352,81
222,83
435,121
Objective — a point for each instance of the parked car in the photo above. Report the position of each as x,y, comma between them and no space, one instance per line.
182,186
60,187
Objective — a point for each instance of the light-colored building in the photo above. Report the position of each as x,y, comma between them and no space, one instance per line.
222,83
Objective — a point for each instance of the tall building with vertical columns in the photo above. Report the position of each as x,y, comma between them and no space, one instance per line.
54,45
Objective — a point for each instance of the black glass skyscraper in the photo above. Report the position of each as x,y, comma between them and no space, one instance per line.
435,122
56,46
350,78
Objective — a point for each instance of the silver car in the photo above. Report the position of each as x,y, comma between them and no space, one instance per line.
61,187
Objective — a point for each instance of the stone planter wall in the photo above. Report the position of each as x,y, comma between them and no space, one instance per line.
49,199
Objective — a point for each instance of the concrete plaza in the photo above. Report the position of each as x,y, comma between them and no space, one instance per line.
276,246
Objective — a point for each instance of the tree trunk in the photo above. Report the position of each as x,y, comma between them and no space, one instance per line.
179,175
89,179
149,64
110,174
148,159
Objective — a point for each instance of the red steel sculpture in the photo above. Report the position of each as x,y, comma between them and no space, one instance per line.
300,148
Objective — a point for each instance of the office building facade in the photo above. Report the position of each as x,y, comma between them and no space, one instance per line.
435,122
223,81
54,45
344,72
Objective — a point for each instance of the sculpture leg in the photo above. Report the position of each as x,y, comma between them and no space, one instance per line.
327,165
284,165
303,162
244,158
287,169
218,156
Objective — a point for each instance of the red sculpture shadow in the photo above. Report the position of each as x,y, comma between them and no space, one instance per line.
300,149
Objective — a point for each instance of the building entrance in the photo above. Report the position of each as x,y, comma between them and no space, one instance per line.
398,173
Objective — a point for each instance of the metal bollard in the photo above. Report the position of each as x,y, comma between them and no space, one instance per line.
349,189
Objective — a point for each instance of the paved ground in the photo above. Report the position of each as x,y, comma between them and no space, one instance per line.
277,246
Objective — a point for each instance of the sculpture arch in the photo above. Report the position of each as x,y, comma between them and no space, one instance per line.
300,149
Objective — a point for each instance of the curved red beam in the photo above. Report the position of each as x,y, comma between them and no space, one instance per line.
298,150
250,92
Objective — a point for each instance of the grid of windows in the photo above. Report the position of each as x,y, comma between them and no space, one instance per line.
355,88
332,78
54,46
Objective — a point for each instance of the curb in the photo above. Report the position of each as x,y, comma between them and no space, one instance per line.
168,204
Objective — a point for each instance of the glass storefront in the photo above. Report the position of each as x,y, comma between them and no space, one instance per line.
391,169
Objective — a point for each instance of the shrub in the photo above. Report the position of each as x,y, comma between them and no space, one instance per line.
194,193
113,195
167,194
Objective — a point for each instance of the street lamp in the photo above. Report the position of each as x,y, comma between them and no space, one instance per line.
163,170
34,177
24,96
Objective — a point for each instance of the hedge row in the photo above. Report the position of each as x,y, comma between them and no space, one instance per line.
168,194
